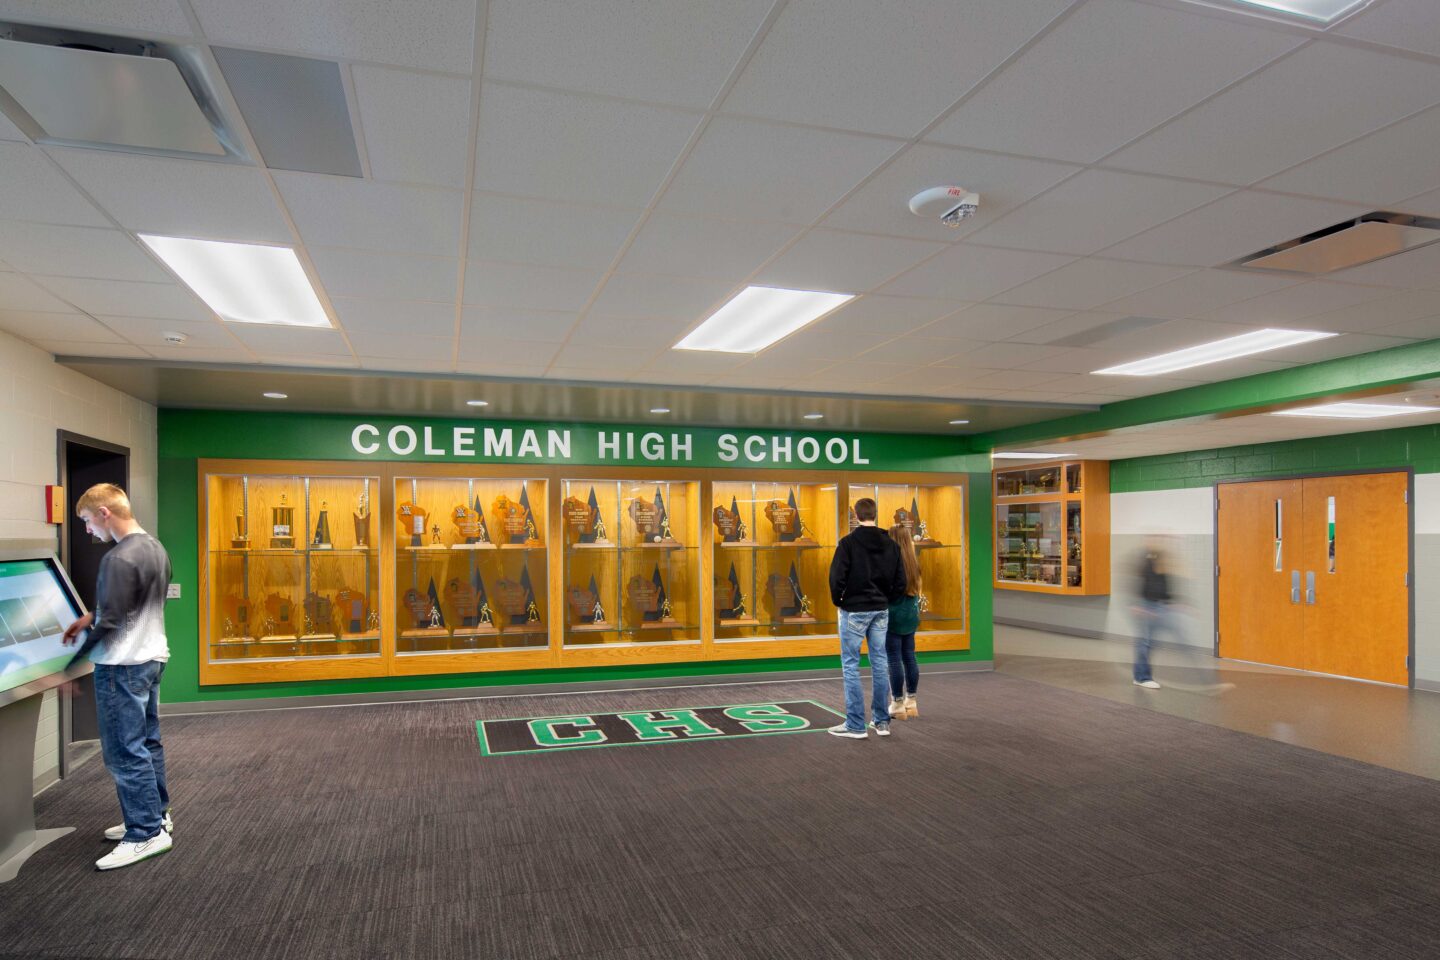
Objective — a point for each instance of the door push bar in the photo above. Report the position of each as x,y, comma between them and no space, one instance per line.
1294,586
1310,587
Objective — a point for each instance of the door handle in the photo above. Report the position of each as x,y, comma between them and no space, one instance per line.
1294,586
1310,587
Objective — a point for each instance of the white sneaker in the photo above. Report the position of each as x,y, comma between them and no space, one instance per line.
840,730
128,852
1148,684
881,729
897,709
117,832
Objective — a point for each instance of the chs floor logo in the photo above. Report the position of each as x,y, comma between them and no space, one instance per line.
667,725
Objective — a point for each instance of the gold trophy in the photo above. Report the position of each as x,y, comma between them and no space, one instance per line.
362,523
282,530
241,540
322,530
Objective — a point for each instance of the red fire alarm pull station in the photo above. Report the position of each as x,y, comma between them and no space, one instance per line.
54,504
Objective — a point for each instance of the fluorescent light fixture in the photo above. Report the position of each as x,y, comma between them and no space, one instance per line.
814,416
1256,341
1032,456
1311,11
758,316
244,282
659,409
477,403
276,396
1356,411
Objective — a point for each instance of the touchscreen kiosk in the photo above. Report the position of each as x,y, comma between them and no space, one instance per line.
37,603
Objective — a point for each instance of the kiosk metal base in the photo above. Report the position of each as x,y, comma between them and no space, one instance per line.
19,839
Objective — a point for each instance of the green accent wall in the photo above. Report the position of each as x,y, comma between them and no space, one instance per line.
186,436
1417,447
1383,368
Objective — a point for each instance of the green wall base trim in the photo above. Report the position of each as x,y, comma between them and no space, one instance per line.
1417,447
456,688
1397,365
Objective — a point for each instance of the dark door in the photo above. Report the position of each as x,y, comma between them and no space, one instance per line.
84,462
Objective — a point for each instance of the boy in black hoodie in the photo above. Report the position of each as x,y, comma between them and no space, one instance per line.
866,577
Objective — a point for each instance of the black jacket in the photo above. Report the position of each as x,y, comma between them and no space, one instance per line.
866,573
1154,585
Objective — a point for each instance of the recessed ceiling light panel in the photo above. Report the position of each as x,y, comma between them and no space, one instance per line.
244,282
1246,344
1356,411
756,317
1312,12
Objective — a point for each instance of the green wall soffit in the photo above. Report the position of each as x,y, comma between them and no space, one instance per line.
1397,365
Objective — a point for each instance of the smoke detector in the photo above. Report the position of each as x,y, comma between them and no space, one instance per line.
949,205
174,339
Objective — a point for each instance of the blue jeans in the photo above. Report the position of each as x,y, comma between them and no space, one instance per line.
867,626
127,702
1151,617
904,668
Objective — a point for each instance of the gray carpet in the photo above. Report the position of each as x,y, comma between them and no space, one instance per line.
1013,820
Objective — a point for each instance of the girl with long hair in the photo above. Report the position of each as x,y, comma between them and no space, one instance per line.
900,635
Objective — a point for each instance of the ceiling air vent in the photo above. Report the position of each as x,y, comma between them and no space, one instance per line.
1373,236
76,88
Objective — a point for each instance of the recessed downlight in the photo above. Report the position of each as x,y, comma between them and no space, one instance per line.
274,395
477,403
814,416
958,423
659,409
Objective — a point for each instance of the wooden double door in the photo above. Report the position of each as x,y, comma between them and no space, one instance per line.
1314,574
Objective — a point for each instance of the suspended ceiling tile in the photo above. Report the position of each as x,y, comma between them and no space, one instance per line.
32,189
1408,24
149,332
76,252
1088,283
874,313
1425,204
659,298
490,369
1414,268
438,35
991,321
1005,356
616,361
1016,380
1425,328
159,17
1094,210
1326,93
19,293
1232,227
1072,360
421,318
559,146
1082,91
689,363
882,204
967,272
506,357
292,341
1291,305
228,353
180,198
762,171
833,63
492,284
385,276
407,366
416,125
482,324
807,349
406,346
677,52
913,350
8,130
865,370
163,301
1381,169
1197,294
345,212
642,335
1093,326
110,351
547,234
711,249
844,262
33,325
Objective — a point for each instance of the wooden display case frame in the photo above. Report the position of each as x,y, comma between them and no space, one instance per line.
1094,501
556,654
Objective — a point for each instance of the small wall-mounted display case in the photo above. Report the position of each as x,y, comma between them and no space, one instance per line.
1052,527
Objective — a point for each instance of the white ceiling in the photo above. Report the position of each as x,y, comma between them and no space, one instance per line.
561,191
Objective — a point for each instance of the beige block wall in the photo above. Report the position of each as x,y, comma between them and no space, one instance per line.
37,399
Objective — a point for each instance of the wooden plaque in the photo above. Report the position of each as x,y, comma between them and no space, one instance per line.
644,594
319,615
724,595
281,610
419,606
512,518
579,517
351,606
582,604
464,600
646,516
511,597
727,523
782,594
467,523
412,522
783,517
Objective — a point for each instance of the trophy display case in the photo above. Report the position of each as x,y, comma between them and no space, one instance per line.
1052,528
291,568
773,541
933,517
630,565
471,569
